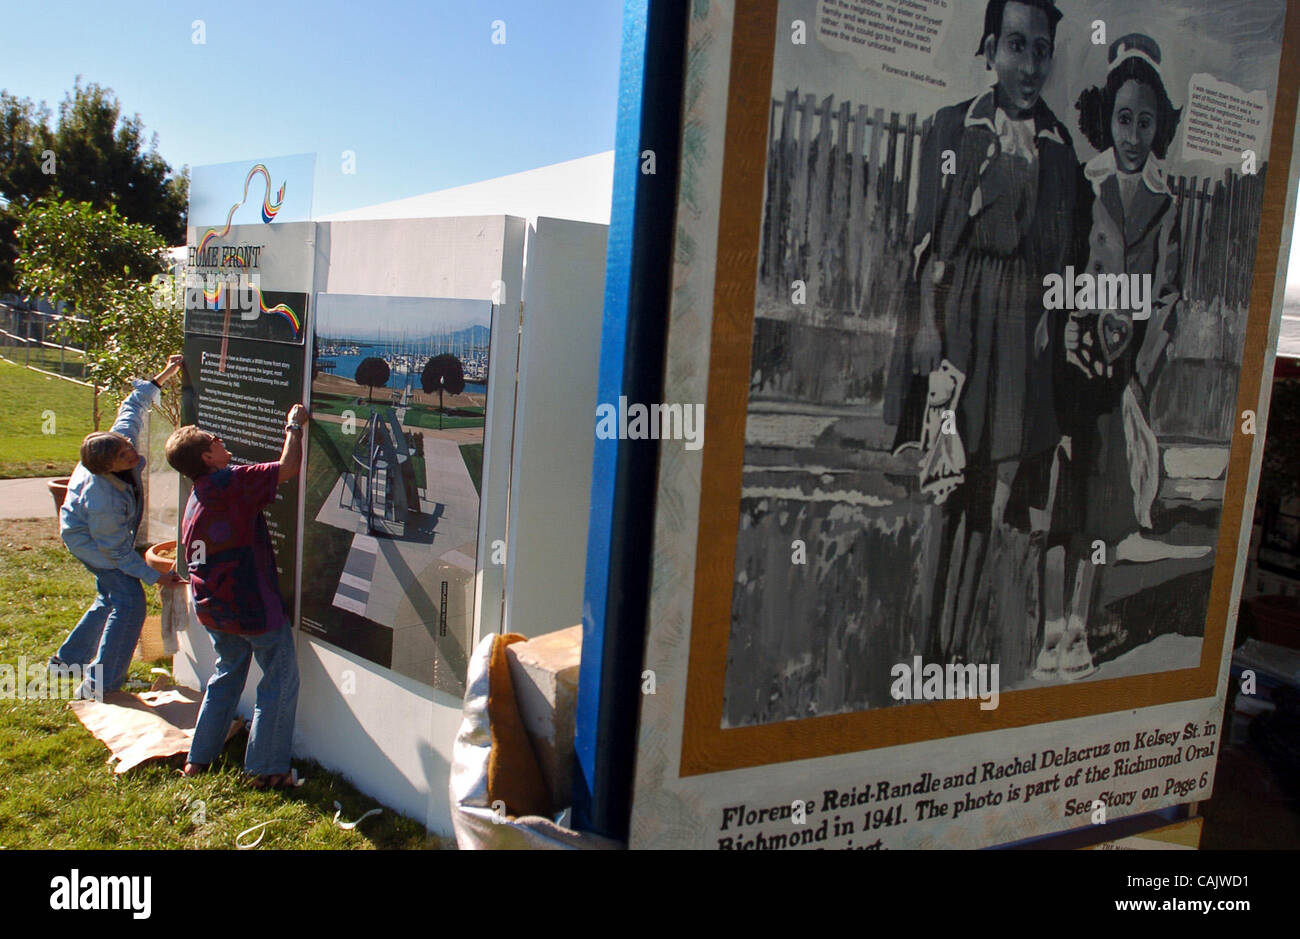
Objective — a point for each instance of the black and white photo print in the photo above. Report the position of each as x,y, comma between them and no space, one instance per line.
1004,276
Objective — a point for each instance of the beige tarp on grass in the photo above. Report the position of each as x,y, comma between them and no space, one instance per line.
149,726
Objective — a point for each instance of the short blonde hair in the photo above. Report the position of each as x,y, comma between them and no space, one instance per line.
99,450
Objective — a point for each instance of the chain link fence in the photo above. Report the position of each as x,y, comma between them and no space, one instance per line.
34,338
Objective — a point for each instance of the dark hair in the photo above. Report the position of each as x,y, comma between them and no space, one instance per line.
100,450
1097,107
185,449
993,18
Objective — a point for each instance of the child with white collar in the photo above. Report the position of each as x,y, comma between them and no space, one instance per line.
1109,471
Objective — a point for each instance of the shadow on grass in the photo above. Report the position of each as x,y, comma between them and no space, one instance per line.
319,792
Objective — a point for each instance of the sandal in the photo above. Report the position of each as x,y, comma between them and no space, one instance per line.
287,780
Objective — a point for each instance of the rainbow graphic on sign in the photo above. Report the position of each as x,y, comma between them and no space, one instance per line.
269,208
212,294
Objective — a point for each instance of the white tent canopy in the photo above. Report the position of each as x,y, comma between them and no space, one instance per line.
579,190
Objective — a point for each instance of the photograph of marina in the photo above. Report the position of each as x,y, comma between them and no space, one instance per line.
399,401
406,355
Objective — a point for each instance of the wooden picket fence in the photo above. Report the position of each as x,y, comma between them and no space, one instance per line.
1220,230
841,198
841,193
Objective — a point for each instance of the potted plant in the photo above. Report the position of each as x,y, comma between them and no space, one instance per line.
58,491
162,556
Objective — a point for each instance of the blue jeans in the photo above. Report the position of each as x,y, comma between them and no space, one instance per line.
270,739
108,632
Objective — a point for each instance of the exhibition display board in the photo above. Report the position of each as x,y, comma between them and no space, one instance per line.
248,286
393,480
384,634
982,330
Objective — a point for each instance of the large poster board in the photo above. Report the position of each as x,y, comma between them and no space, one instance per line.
957,562
394,470
248,281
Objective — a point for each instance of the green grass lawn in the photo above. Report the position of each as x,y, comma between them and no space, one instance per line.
472,454
328,459
57,790
25,397
324,403
330,402
418,468
419,417
330,454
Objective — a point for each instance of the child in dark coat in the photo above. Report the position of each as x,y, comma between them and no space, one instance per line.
995,215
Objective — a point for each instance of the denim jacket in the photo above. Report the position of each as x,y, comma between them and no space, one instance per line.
101,513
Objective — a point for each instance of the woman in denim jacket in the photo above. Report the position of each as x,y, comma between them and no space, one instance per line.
98,523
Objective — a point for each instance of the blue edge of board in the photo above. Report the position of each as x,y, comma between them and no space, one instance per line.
637,292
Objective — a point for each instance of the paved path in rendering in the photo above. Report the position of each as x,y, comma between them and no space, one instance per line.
380,574
397,581
451,497
354,584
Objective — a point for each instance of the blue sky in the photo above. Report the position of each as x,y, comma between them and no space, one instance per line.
355,317
415,87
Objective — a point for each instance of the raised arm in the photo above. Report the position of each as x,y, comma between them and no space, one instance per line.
130,417
291,455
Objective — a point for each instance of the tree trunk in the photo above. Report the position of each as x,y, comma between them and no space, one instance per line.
94,408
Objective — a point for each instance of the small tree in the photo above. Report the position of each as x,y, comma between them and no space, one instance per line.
444,373
94,152
373,373
25,138
101,267
148,326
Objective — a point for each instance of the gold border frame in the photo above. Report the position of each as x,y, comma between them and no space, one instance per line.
706,746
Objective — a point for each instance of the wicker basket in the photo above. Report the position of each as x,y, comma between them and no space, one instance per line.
150,647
